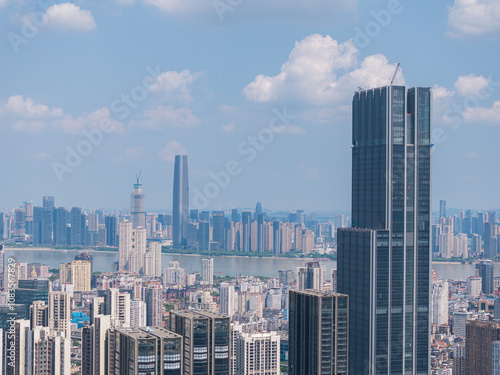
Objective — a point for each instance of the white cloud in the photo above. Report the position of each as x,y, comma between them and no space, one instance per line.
473,17
70,17
175,84
171,149
28,126
70,125
471,85
168,116
321,71
490,116
21,107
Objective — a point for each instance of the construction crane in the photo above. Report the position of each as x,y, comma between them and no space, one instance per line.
394,75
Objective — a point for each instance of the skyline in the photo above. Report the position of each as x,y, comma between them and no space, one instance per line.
213,91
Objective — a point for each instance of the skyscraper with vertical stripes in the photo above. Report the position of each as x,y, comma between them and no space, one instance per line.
181,201
384,260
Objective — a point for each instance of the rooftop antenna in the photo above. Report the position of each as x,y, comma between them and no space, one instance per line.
394,75
138,176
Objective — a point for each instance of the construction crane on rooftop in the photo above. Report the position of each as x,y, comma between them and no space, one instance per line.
394,75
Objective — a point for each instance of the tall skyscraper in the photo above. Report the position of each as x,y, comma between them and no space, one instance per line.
218,230
246,217
318,333
137,206
206,340
132,247
111,227
486,271
442,208
384,260
180,206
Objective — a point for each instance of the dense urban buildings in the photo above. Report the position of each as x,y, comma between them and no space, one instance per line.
384,260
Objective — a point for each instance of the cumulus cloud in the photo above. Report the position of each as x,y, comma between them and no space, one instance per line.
171,149
471,85
71,125
69,16
28,116
490,116
321,71
473,17
175,84
168,116
19,106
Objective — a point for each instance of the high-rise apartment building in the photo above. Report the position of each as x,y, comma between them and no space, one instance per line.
132,247
442,208
480,336
318,333
258,353
81,275
207,271
440,302
180,206
384,260
60,313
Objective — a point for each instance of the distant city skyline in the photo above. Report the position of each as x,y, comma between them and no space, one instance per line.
182,80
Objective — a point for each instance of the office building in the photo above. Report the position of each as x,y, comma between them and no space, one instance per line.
180,206
145,351
384,260
60,226
495,358
111,225
485,269
218,237
318,332
207,333
442,208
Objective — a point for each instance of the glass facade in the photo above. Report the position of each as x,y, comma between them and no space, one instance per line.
391,210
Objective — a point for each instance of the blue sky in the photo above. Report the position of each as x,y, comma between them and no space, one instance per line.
255,92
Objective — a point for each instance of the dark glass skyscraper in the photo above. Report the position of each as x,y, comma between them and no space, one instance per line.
384,260
181,201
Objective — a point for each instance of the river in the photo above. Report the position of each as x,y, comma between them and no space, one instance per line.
223,265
